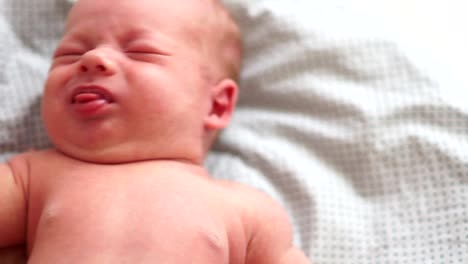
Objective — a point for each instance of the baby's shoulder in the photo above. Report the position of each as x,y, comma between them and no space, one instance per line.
240,192
20,163
33,155
262,218
34,162
254,202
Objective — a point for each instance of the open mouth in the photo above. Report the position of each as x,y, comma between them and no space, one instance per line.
90,94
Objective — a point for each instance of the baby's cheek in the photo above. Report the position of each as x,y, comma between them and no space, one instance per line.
57,79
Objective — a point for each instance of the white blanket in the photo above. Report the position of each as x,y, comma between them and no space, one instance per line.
353,114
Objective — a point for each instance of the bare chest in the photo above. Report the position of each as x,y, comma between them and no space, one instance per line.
101,215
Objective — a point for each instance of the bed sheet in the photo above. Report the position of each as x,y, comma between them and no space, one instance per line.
352,114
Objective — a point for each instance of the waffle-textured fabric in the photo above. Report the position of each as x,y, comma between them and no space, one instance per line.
352,114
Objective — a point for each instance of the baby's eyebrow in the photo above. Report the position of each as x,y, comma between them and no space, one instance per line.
145,34
138,33
70,43
134,34
149,38
75,38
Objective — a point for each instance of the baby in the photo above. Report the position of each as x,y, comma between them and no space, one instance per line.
133,101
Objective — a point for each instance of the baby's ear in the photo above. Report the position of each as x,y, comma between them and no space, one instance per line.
223,101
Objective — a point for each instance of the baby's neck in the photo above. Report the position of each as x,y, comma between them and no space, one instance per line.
175,164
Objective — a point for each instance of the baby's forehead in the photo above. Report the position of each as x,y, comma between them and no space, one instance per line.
145,8
163,15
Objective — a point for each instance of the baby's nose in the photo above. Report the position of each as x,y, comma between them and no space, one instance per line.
96,61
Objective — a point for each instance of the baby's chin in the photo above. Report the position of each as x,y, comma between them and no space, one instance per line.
127,153
101,157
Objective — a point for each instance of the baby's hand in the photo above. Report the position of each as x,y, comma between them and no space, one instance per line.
13,255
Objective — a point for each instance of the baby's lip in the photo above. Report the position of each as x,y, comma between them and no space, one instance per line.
88,93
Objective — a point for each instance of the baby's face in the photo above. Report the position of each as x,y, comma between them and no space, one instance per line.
128,82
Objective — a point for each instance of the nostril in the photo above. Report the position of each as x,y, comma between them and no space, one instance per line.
83,68
101,68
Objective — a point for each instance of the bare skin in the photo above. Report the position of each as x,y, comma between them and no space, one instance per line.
143,212
132,110
13,255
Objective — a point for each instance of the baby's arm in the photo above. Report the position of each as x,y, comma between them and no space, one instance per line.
13,207
271,242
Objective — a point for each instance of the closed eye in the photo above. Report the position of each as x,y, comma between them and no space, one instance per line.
146,55
69,50
63,55
147,51
67,53
66,57
140,52
145,48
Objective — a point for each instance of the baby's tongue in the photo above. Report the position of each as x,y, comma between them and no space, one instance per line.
87,97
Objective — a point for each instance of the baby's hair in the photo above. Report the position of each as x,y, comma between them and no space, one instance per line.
227,49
